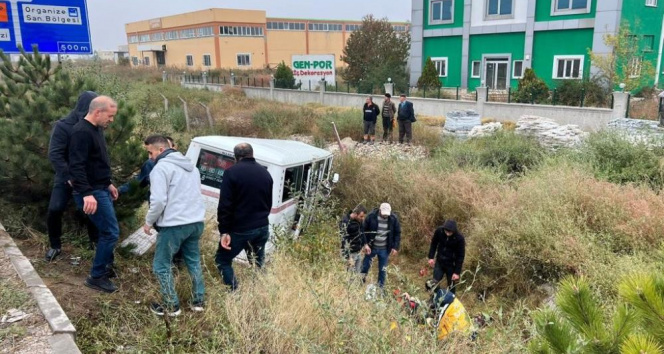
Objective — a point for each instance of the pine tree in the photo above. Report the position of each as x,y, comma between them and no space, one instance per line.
579,323
429,79
34,94
283,77
531,89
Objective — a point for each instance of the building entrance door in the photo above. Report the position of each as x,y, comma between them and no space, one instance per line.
496,73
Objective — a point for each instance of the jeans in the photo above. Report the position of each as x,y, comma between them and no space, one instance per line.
107,224
405,129
440,270
387,128
170,240
383,256
252,242
60,196
355,262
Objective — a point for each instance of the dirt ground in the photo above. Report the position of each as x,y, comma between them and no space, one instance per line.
29,335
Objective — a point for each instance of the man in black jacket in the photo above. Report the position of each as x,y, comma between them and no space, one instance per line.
352,237
370,112
90,169
245,203
383,233
58,154
448,246
405,117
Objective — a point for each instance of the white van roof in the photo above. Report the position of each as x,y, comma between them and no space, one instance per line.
278,152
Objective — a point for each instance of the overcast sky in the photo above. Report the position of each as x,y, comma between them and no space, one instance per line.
108,17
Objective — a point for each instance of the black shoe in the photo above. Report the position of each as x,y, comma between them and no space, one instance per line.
111,272
52,254
160,311
101,284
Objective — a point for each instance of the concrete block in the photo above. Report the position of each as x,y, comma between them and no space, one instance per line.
418,17
52,311
607,6
417,5
25,271
416,32
63,344
457,31
475,30
541,26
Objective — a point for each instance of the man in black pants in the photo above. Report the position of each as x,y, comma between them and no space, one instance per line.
58,154
245,203
448,246
405,117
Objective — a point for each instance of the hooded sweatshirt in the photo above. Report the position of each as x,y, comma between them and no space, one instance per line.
175,197
58,150
450,250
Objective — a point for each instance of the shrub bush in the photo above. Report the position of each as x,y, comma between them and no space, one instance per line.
531,89
617,159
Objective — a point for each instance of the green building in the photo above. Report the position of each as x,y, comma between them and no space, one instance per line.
494,41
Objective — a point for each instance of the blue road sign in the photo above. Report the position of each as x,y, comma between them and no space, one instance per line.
55,26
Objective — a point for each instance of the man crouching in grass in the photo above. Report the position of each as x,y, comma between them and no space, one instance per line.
178,209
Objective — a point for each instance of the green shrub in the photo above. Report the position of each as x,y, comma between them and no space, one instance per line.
283,77
505,152
531,89
619,160
571,92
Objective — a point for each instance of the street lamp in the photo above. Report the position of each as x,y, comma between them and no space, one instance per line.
389,79
622,86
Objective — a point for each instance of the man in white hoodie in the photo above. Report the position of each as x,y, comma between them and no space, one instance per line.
177,210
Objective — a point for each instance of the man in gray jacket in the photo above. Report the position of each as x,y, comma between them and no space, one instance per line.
178,210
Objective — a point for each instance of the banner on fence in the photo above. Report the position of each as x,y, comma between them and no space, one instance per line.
311,69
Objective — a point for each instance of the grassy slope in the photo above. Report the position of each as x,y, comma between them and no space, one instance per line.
530,217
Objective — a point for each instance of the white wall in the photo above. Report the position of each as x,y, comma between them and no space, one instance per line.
588,119
519,7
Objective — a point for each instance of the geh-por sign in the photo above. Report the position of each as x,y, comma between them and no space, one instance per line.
313,68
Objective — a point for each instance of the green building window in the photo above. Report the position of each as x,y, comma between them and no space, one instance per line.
648,42
568,66
517,69
441,66
499,8
441,11
568,7
651,3
475,69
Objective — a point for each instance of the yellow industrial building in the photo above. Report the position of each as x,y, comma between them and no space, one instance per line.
236,39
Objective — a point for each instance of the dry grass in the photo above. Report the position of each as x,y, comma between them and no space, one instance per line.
644,108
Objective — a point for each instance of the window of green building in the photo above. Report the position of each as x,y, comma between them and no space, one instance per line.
569,7
441,11
568,66
441,66
499,8
475,69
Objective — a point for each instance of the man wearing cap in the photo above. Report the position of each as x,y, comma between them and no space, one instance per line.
389,110
383,233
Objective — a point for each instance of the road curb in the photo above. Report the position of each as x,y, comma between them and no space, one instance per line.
64,332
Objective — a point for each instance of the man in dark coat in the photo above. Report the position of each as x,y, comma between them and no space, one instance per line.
383,233
352,238
58,154
446,254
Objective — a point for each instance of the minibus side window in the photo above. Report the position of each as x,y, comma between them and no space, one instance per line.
293,179
211,166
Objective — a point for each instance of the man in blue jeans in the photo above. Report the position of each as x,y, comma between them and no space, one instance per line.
245,203
90,170
178,209
383,233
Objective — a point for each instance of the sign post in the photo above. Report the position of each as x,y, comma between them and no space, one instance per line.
54,26
312,69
